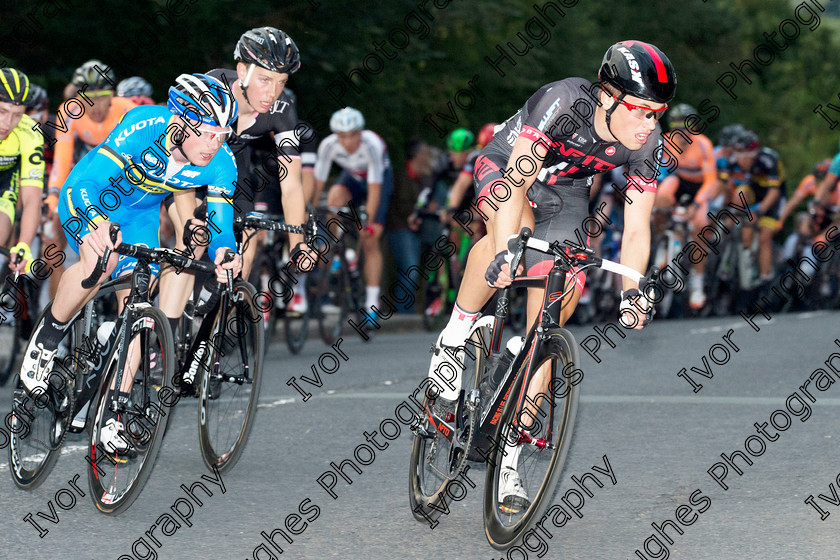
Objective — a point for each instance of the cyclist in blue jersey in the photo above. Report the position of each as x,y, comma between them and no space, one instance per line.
151,153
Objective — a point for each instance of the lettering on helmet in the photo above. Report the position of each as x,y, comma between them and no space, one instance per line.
635,72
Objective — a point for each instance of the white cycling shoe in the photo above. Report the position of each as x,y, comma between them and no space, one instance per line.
113,438
512,496
446,368
36,366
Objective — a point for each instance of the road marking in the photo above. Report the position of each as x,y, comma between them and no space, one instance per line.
600,399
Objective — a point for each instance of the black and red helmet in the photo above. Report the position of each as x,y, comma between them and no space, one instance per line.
639,69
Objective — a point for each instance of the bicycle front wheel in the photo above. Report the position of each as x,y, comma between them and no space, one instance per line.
296,324
230,384
121,466
540,447
441,444
331,297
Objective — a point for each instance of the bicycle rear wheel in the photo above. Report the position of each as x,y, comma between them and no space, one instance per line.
433,303
116,479
230,384
541,448
38,422
440,447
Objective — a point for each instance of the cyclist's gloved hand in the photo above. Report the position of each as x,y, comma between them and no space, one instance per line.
636,311
304,258
26,264
495,269
756,209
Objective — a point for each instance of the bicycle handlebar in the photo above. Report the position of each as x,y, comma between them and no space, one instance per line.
575,256
157,255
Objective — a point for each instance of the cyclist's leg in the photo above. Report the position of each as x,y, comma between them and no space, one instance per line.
41,350
473,293
556,218
175,289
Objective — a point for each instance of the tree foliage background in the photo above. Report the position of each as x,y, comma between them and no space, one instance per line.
159,40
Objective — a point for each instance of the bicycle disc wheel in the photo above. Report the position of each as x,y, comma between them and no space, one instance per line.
438,453
116,478
38,423
331,298
541,449
230,384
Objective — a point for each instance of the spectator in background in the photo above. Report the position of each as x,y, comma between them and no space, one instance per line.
409,182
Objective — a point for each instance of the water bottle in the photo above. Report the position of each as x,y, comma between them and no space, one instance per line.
512,348
336,264
103,333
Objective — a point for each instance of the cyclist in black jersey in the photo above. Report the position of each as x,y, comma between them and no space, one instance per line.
760,175
537,171
266,57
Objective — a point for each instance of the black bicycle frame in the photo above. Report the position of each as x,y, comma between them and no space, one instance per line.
554,287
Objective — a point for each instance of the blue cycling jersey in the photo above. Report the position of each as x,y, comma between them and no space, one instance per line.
126,178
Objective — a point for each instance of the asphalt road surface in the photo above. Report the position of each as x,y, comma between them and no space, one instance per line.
658,436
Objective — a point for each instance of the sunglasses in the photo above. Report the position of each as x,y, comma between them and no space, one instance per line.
641,112
215,135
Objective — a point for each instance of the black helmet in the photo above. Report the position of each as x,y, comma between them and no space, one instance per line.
729,134
677,115
747,141
95,74
639,69
37,99
269,48
14,86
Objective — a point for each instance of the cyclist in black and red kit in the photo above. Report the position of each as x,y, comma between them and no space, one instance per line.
546,155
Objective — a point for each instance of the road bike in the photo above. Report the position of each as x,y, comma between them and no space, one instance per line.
506,402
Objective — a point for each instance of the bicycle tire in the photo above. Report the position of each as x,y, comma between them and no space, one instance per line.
331,297
9,348
114,492
46,429
262,272
296,325
538,471
222,379
433,303
425,496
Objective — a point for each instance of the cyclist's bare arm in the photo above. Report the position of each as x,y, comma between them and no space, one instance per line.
459,188
31,216
636,237
824,189
307,180
294,204
794,201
